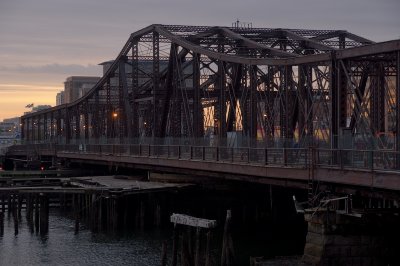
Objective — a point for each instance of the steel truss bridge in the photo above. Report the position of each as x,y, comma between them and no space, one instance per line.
240,88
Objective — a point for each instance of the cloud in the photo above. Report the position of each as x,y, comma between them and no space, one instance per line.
68,70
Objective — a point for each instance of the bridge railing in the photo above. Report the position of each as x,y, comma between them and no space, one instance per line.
358,159
297,157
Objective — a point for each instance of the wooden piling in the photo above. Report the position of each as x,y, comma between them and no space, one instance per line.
227,246
20,201
100,214
9,202
3,204
15,213
1,223
37,213
44,214
208,249
164,254
142,215
175,245
197,247
76,206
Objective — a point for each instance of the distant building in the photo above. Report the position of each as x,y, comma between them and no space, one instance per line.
60,98
77,86
10,132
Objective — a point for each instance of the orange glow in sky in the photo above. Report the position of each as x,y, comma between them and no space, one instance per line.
14,98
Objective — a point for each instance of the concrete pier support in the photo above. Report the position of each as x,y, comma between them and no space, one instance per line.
344,239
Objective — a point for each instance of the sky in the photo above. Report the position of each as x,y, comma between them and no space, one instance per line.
42,42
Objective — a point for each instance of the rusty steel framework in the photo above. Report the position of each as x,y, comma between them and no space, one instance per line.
237,86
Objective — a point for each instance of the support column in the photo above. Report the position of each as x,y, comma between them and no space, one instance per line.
156,83
86,118
197,107
45,127
221,102
340,239
135,88
253,105
398,108
67,125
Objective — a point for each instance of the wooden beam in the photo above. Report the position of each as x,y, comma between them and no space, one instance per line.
183,219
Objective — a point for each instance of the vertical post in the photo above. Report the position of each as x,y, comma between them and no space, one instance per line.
37,213
1,223
208,249
227,246
175,245
398,109
197,107
76,207
15,212
197,252
3,204
156,82
164,254
135,88
222,102
253,105
23,129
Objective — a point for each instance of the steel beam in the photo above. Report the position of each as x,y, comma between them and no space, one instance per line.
398,107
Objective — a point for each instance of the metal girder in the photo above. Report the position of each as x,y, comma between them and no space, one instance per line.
184,80
306,41
398,107
253,44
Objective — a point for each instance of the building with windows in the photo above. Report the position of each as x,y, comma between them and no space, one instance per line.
77,86
60,98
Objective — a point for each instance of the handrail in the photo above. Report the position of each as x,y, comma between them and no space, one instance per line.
386,160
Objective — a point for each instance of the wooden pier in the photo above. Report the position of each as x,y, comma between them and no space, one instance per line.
100,202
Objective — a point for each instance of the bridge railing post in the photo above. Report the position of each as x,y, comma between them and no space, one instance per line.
232,155
217,154
179,151
341,159
372,160
204,153
191,152
285,159
265,156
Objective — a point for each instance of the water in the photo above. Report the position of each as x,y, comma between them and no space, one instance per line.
61,246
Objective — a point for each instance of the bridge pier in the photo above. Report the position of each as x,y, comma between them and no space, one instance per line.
335,238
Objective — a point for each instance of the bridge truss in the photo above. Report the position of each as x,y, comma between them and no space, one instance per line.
237,87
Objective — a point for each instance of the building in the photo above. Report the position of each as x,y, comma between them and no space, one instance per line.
10,132
77,86
60,98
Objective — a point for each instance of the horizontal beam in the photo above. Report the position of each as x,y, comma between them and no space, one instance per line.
183,219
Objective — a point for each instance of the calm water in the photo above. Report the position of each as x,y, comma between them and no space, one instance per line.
63,247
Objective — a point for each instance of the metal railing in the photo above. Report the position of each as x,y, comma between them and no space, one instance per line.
295,157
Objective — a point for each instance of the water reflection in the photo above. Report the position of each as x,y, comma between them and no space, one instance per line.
61,246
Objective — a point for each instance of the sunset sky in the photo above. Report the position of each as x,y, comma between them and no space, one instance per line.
44,41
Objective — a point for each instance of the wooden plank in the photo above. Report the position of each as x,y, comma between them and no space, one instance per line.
183,219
